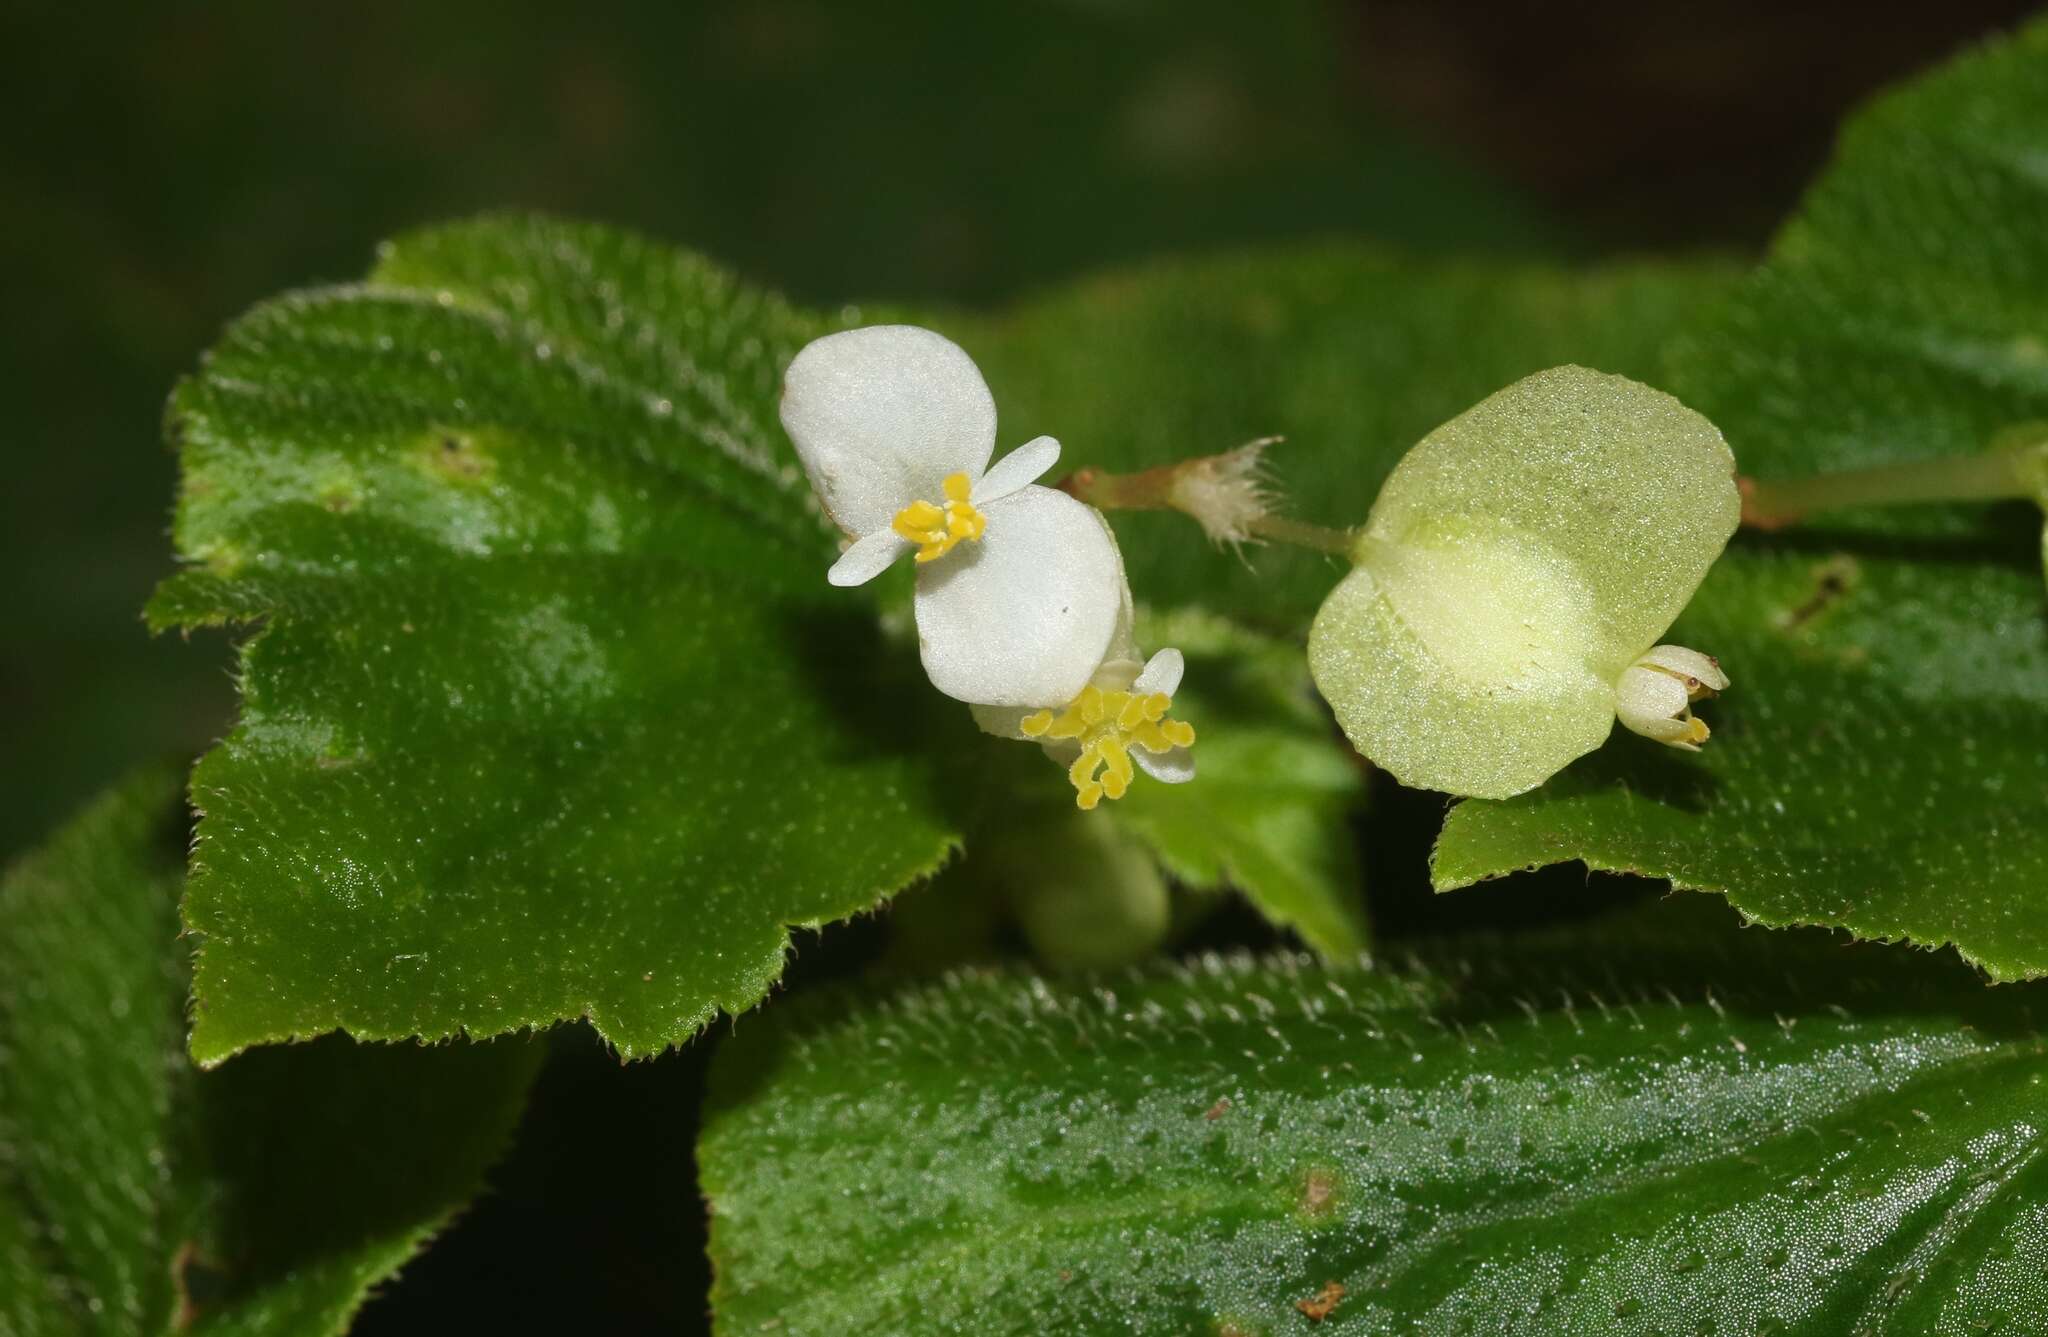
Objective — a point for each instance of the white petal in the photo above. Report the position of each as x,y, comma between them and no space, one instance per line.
1173,768
1005,721
1647,700
1671,733
881,416
1162,674
1654,704
870,556
1023,617
1121,662
1703,669
1026,464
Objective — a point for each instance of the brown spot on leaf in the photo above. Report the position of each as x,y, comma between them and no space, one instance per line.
1318,1306
1217,1110
1318,1194
457,456
1832,580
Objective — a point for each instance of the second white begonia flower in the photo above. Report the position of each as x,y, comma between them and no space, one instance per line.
1019,588
1117,725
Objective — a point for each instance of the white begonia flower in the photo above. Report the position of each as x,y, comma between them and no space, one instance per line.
1020,588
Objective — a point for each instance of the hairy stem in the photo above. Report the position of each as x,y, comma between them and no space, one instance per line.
1227,494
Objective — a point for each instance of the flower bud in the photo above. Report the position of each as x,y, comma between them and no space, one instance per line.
1087,895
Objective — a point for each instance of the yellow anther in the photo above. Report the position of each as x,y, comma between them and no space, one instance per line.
1083,770
919,517
1117,769
935,529
1108,725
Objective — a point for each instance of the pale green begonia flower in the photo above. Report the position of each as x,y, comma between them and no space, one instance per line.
1513,581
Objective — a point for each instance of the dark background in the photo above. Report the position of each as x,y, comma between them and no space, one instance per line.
164,165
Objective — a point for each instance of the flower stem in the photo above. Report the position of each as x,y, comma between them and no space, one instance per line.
1227,494
1301,534
2008,471
1148,490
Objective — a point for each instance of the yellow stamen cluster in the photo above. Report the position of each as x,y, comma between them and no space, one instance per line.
936,529
1108,724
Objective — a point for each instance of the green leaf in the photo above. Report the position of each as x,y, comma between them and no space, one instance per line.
31,1305
1640,1132
1353,354
1936,190
1877,764
137,1194
552,714
1269,810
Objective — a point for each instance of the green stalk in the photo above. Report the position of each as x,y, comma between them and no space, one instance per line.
1301,534
2009,472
